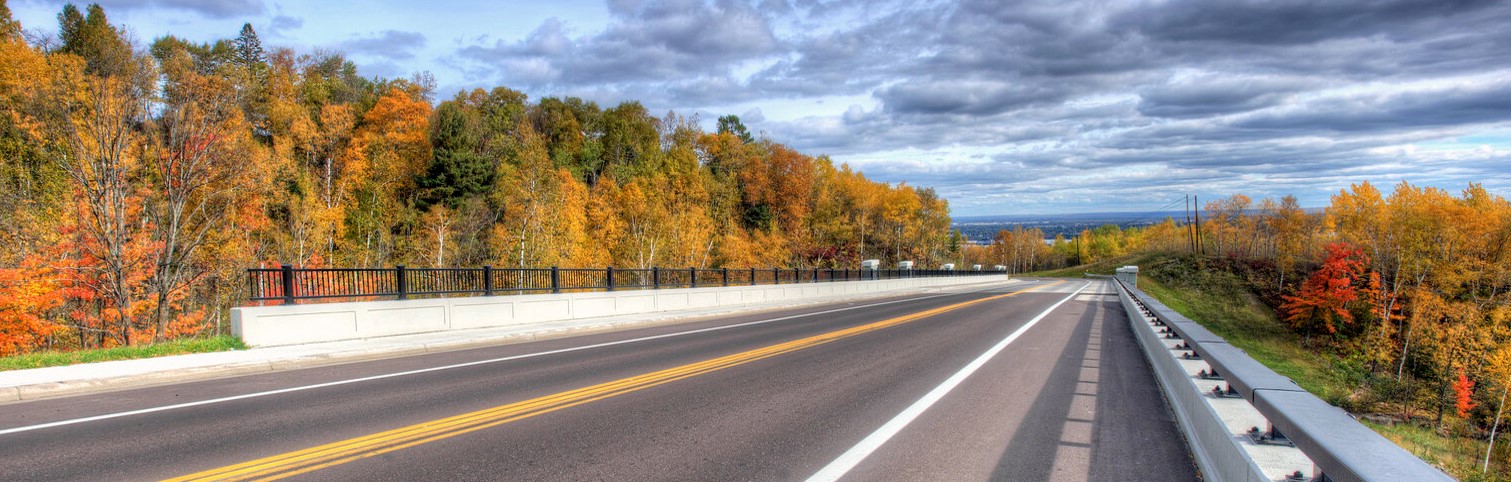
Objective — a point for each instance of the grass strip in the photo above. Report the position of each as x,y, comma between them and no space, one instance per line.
174,347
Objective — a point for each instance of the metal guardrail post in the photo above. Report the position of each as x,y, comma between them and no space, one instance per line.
288,284
692,277
487,281
401,282
752,276
776,276
655,278
726,276
609,278
555,279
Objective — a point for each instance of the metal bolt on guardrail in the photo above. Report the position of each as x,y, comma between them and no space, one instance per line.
1225,391
1269,437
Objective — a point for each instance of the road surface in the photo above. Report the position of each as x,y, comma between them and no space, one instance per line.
1032,380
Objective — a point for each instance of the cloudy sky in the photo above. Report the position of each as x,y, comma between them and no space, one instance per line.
1004,107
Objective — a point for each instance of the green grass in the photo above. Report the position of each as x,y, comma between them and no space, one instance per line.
1223,303
1106,266
1235,314
1459,456
176,347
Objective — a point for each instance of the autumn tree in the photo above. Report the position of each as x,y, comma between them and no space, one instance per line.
1331,297
101,91
197,159
30,294
33,189
141,184
386,155
543,208
630,141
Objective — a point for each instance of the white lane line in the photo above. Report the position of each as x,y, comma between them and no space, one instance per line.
449,367
848,460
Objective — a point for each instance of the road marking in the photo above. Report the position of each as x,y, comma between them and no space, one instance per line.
848,460
301,388
335,453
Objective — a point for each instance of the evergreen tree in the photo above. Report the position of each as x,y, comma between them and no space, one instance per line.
731,124
249,47
458,169
90,36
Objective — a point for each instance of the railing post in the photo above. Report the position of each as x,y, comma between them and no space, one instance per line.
555,279
692,277
609,277
401,282
726,275
487,280
288,284
752,276
776,276
655,278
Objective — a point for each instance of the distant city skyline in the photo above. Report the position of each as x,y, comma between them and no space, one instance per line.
1038,107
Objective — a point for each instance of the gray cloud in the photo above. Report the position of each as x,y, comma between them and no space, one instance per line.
995,101
1286,22
218,9
648,42
280,26
964,97
1212,95
388,44
1459,105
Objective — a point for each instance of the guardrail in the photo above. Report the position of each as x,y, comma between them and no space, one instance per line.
1340,448
289,285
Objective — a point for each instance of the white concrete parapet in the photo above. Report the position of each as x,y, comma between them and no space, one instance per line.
262,326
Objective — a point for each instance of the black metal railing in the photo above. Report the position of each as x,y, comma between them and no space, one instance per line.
289,285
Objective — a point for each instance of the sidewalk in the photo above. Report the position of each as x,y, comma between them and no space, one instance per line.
117,375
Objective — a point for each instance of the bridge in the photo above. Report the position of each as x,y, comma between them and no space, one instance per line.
939,378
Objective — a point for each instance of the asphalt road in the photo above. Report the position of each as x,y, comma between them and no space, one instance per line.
1038,381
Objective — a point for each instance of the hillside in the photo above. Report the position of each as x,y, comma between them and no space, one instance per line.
1223,299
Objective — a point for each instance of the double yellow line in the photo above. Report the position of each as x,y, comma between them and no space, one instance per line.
316,458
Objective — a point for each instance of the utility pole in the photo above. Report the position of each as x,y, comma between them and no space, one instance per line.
1190,233
1196,206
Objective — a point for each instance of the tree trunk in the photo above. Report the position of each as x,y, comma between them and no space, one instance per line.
1490,446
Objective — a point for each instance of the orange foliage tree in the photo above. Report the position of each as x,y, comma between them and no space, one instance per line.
1332,295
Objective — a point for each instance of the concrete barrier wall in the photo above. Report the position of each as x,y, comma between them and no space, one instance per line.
312,323
1217,451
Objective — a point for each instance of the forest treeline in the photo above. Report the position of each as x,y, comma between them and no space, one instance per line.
1411,290
140,181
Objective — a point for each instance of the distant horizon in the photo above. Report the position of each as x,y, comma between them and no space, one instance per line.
1146,214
